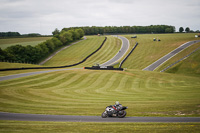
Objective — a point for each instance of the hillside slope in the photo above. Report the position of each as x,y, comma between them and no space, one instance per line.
79,51
79,92
189,66
148,51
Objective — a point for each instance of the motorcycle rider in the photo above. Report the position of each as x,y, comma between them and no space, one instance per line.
117,106
116,110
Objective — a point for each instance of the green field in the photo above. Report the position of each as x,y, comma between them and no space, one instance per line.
181,55
68,92
4,43
63,127
149,51
189,66
81,50
79,92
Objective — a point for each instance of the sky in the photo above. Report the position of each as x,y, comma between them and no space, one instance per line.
44,16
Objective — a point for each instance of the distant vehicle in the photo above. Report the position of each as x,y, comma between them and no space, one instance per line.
156,39
134,37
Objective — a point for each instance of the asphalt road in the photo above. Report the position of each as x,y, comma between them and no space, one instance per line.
69,118
159,62
120,54
32,73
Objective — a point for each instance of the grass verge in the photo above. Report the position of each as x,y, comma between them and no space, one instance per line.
78,92
58,127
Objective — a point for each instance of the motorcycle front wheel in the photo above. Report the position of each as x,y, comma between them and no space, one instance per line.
122,115
104,115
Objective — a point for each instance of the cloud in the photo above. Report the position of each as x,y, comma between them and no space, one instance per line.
43,16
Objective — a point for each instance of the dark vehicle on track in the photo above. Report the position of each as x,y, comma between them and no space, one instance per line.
114,111
134,37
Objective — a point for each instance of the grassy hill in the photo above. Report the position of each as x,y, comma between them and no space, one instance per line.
148,51
4,43
68,92
75,54
189,66
178,56
88,92
78,52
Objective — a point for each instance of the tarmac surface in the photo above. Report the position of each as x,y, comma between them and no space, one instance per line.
162,60
120,54
69,118
32,73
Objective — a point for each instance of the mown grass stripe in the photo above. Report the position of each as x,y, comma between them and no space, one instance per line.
71,91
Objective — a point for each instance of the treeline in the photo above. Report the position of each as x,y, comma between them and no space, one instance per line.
30,54
17,34
126,29
9,34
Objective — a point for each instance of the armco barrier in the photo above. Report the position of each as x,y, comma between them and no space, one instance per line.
107,68
127,55
26,68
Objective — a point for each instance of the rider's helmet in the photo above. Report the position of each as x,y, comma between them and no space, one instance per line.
117,103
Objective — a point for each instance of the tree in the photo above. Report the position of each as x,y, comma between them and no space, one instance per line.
43,49
33,34
168,30
2,55
181,29
75,34
50,45
187,29
31,54
65,36
17,52
81,32
56,42
56,32
197,31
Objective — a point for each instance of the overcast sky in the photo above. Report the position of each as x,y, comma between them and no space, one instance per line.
43,16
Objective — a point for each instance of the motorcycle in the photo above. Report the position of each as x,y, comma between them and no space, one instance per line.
111,111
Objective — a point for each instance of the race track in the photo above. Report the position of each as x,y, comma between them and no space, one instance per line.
159,62
69,118
123,50
32,73
120,54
